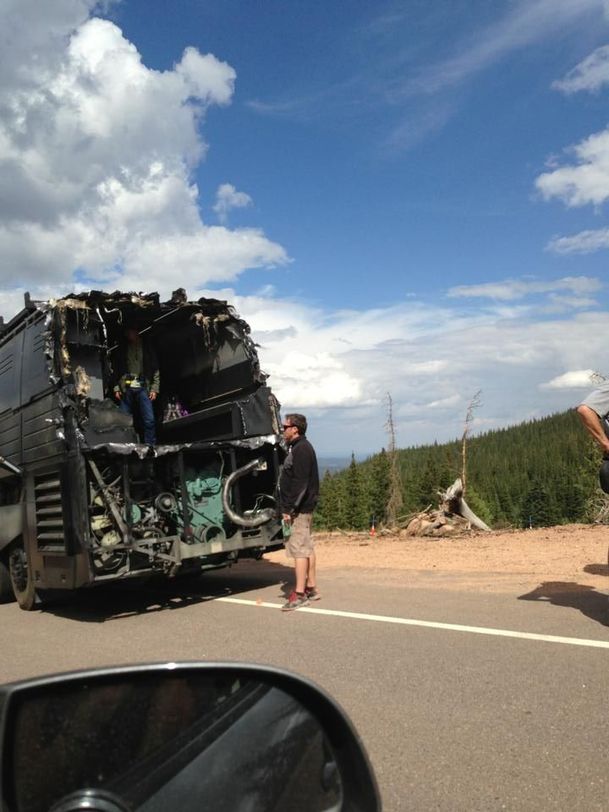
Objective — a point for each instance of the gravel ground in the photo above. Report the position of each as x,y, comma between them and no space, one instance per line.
498,561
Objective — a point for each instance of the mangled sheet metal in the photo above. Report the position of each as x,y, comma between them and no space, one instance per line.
202,492
207,358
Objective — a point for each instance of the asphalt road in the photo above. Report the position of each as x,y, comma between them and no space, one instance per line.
464,700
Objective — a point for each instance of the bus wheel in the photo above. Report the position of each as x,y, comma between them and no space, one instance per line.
6,588
21,577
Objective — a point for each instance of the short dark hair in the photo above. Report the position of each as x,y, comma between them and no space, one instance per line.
299,421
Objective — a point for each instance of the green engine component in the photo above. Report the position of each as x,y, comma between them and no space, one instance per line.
204,489
136,513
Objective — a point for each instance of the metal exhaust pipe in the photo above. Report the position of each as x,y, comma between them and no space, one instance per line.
262,517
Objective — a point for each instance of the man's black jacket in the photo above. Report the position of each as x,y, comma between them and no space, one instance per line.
299,480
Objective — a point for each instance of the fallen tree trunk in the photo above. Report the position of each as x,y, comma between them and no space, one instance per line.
453,499
452,517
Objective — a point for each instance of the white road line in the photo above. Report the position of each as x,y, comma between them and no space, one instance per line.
428,624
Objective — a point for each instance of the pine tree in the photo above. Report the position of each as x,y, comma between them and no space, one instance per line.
541,469
429,483
480,506
330,512
378,487
538,509
355,500
569,495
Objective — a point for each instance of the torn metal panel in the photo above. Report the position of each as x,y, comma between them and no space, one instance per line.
82,382
201,494
142,451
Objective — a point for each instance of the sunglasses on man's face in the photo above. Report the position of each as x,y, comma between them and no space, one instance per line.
284,427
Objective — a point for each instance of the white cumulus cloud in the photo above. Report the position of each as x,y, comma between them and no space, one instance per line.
227,198
445,403
337,367
576,379
315,379
586,180
96,158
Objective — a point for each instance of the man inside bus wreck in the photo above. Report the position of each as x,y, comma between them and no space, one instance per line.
138,385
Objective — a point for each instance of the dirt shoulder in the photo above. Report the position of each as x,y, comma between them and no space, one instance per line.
495,562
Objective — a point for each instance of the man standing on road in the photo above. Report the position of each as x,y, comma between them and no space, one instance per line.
593,413
298,494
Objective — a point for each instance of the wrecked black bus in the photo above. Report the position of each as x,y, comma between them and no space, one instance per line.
83,500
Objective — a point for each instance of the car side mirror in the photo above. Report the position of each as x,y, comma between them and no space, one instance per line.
181,737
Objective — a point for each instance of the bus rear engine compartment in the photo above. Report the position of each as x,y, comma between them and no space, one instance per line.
158,513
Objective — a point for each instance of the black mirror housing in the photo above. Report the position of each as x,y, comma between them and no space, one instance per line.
219,736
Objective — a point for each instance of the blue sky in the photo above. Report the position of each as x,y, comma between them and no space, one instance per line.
357,171
404,197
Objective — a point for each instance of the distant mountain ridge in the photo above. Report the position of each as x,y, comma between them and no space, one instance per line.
332,464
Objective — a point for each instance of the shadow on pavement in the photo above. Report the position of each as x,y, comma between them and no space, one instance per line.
155,594
597,569
586,599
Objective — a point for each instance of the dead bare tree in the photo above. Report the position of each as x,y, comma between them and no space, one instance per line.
469,417
396,499
453,515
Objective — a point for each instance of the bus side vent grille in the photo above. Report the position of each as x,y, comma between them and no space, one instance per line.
49,512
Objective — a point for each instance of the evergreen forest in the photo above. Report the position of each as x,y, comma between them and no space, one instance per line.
540,473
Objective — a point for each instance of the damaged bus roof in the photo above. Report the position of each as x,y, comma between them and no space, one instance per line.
208,364
126,303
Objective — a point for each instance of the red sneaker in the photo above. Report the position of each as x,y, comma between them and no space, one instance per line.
294,602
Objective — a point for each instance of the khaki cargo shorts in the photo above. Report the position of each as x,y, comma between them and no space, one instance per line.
300,544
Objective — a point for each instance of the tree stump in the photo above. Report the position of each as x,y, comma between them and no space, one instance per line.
452,517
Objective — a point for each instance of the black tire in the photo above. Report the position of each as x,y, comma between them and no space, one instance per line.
6,588
21,577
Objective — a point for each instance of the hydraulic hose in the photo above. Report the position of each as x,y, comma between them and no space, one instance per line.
262,516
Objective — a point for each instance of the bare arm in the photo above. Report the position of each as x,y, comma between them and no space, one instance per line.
592,424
